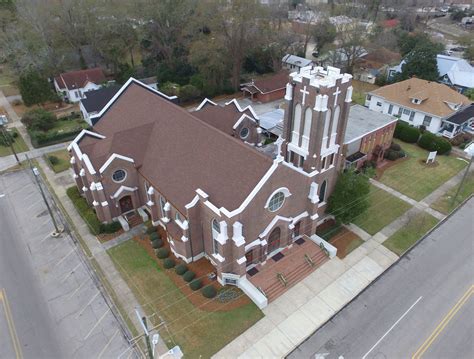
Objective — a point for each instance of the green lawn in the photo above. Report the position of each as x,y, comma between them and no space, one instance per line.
19,145
62,158
416,180
384,209
405,237
445,204
198,333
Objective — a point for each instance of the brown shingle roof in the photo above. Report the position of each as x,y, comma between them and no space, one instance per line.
436,96
221,117
270,83
178,153
78,79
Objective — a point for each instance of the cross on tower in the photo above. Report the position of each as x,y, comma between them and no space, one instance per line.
336,95
304,92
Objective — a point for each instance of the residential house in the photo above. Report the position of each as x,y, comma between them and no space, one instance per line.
368,135
453,71
216,195
73,85
340,58
266,89
417,102
374,64
459,122
295,63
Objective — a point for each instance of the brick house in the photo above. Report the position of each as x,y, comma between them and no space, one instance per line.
266,89
217,195
73,85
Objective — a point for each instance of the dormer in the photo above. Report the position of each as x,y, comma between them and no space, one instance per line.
418,98
453,106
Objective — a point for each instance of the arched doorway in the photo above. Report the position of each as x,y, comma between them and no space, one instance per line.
274,240
126,204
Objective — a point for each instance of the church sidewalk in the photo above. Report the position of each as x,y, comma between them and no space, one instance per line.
301,310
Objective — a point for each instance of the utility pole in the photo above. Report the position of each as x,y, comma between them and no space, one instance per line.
9,143
463,180
36,174
146,333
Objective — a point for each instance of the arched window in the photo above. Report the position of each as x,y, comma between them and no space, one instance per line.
276,201
327,121
216,230
295,136
119,176
162,206
322,191
335,123
307,128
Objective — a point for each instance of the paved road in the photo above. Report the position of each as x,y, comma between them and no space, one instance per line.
9,161
423,305
50,306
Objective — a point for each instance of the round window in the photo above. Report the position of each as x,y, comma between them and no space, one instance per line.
276,201
244,132
119,176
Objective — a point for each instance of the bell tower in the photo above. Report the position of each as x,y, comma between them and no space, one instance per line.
316,112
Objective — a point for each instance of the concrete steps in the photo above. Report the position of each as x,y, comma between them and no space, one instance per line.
275,288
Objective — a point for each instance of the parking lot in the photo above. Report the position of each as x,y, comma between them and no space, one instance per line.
50,304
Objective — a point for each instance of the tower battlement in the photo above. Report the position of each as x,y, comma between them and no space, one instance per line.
319,77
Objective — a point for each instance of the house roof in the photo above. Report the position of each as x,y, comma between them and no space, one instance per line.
174,150
78,79
363,121
459,71
296,60
269,83
437,96
379,58
272,121
97,99
462,115
221,117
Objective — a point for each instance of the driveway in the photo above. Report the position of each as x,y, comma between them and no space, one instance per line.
50,305
423,305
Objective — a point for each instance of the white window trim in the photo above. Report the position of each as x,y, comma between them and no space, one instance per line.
286,193
124,178
113,157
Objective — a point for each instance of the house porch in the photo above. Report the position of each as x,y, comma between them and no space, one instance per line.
287,268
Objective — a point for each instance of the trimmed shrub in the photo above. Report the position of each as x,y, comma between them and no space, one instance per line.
157,243
154,236
209,291
431,142
163,253
110,227
189,276
401,154
391,155
151,230
395,146
406,133
53,160
168,263
181,269
86,212
195,284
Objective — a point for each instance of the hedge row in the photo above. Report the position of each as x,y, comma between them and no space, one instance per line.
431,142
41,139
88,214
406,133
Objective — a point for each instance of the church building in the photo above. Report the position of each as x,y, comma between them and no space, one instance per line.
206,176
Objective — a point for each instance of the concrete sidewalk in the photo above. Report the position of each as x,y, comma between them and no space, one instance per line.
297,313
9,161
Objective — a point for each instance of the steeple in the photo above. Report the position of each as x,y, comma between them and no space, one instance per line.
317,107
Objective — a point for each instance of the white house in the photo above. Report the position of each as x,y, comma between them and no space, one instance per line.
417,102
72,85
295,63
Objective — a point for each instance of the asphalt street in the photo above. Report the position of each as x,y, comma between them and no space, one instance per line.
423,306
50,306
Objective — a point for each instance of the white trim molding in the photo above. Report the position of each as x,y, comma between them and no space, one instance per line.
112,158
286,192
240,109
81,135
239,121
204,102
121,189
237,237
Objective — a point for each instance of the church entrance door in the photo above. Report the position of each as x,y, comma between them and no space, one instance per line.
274,240
126,204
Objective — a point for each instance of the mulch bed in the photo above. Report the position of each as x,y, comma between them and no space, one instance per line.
105,237
202,268
342,241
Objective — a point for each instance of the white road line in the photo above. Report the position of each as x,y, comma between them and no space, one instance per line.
96,324
32,205
393,326
2,195
64,258
107,345
85,307
78,288
45,238
126,351
70,273
31,194
46,222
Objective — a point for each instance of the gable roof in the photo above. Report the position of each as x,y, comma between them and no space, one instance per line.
269,83
436,96
459,71
296,60
78,79
97,99
378,58
174,150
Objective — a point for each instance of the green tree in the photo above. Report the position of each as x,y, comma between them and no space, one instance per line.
407,42
125,71
324,33
420,62
470,94
350,197
34,88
